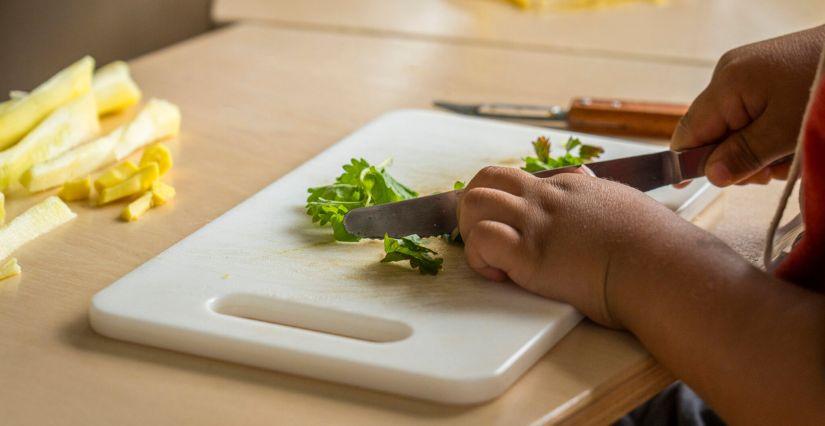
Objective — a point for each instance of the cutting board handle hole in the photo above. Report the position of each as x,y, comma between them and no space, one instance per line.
311,318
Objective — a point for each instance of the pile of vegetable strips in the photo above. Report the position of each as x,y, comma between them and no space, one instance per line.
363,185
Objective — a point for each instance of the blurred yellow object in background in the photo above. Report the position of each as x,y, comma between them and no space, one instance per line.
9,269
157,120
61,131
34,222
157,153
161,193
140,181
115,175
114,88
2,208
577,4
76,190
134,210
21,114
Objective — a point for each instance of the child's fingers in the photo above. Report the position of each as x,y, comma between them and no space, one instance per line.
745,153
702,124
509,179
493,249
481,203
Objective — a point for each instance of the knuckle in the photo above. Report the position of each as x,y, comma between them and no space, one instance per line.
475,197
565,182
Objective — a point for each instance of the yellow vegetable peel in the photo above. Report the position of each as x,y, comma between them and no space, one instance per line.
159,119
134,210
89,157
115,175
9,268
162,193
34,222
73,164
21,115
114,88
79,189
157,153
140,181
65,128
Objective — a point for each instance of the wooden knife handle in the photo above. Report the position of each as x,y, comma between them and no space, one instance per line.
622,117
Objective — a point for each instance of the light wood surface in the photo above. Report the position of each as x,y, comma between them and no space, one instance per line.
257,101
694,32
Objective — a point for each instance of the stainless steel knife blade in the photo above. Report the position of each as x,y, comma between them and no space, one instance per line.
436,214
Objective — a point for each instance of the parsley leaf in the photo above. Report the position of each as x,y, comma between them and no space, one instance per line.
544,161
412,248
360,185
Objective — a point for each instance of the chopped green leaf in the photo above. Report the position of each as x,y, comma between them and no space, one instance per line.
411,248
544,161
360,185
459,185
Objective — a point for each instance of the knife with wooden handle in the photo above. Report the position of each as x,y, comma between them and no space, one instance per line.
436,214
589,115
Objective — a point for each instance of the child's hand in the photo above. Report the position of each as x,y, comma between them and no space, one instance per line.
754,106
561,237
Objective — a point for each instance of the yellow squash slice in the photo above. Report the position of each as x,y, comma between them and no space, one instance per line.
76,190
114,88
9,268
134,210
158,120
19,116
161,193
34,222
73,164
157,153
139,182
115,175
64,129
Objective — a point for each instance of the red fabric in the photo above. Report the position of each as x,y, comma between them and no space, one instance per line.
805,265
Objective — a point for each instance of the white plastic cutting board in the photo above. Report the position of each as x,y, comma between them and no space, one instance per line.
331,310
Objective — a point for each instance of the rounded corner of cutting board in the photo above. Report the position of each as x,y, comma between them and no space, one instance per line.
103,316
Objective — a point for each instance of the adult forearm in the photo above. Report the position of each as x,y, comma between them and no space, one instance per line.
753,346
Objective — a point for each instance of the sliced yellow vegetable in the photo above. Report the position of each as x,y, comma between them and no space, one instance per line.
139,182
114,88
115,175
23,114
2,208
159,119
157,153
78,189
9,268
134,210
73,164
87,158
65,128
34,222
161,193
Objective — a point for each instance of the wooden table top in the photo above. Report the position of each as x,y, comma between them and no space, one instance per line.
257,101
693,32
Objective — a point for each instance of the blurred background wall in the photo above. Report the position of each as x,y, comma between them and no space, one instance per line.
39,37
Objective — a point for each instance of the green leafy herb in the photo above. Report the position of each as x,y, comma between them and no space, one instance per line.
459,185
361,185
412,248
544,161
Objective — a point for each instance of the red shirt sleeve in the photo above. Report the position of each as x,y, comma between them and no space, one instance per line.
805,265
